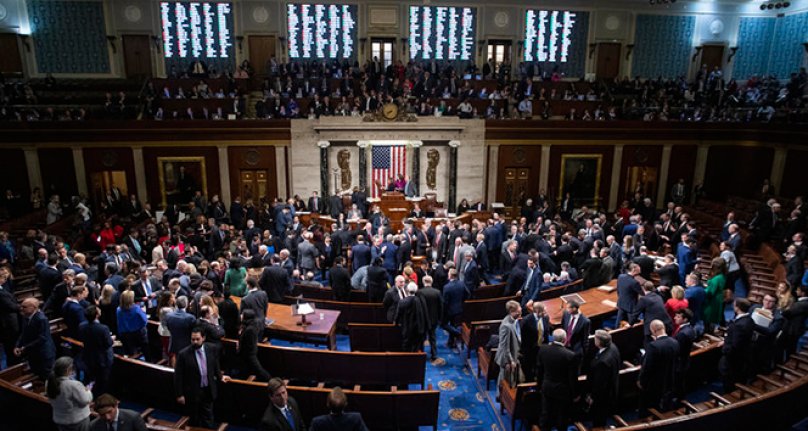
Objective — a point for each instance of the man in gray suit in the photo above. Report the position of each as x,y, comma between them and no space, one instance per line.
410,189
110,416
307,254
510,338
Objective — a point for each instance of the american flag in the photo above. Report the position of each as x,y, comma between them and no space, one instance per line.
388,161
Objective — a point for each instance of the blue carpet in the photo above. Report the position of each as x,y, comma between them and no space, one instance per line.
464,406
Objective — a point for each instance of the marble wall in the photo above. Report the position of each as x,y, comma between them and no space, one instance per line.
304,157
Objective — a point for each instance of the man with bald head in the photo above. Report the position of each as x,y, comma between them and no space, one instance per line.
35,342
658,372
393,296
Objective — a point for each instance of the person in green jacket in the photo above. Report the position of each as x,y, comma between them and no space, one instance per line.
235,278
714,301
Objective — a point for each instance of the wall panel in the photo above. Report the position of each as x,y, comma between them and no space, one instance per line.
736,170
58,171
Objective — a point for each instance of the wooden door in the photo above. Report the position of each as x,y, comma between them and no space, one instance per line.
10,61
137,55
262,48
516,188
253,184
608,63
713,57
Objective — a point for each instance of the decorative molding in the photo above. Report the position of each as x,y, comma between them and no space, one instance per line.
323,144
454,143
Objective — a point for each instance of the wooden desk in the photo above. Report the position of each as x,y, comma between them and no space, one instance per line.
321,331
593,308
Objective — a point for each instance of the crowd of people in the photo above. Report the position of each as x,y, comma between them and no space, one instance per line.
438,89
184,274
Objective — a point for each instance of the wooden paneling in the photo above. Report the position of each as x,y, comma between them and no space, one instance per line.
10,60
682,165
111,159
736,170
137,55
14,175
607,153
519,156
150,156
794,176
648,156
58,171
252,158
713,56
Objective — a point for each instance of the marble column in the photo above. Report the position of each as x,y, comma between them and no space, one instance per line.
617,166
280,170
452,201
416,165
664,169
81,171
493,162
778,167
324,171
544,168
224,174
363,164
140,174
701,165
34,173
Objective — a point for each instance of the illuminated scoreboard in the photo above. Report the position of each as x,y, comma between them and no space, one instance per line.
556,37
197,30
442,33
319,31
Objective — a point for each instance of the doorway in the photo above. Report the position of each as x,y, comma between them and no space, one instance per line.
262,49
382,48
516,189
10,62
102,182
500,51
253,184
608,63
713,57
137,55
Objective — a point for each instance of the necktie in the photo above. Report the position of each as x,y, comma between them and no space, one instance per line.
287,413
518,329
570,327
401,294
110,426
203,368
527,282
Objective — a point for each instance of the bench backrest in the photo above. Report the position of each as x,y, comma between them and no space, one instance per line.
374,337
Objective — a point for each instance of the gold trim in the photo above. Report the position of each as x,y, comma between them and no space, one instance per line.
564,158
161,177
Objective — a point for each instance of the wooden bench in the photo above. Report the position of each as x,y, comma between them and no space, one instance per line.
480,319
487,366
521,402
557,291
375,337
344,368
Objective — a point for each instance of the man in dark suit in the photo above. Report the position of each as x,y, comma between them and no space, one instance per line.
282,413
335,207
628,290
471,275
558,367
35,342
340,280
669,272
536,331
658,371
275,281
794,266
9,319
434,306
196,379
112,417
360,254
481,257
685,335
97,350
652,307
377,281
179,324
576,327
338,419
796,316
393,296
255,299
736,363
316,204
454,293
73,310
603,378
48,277
646,263
147,288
